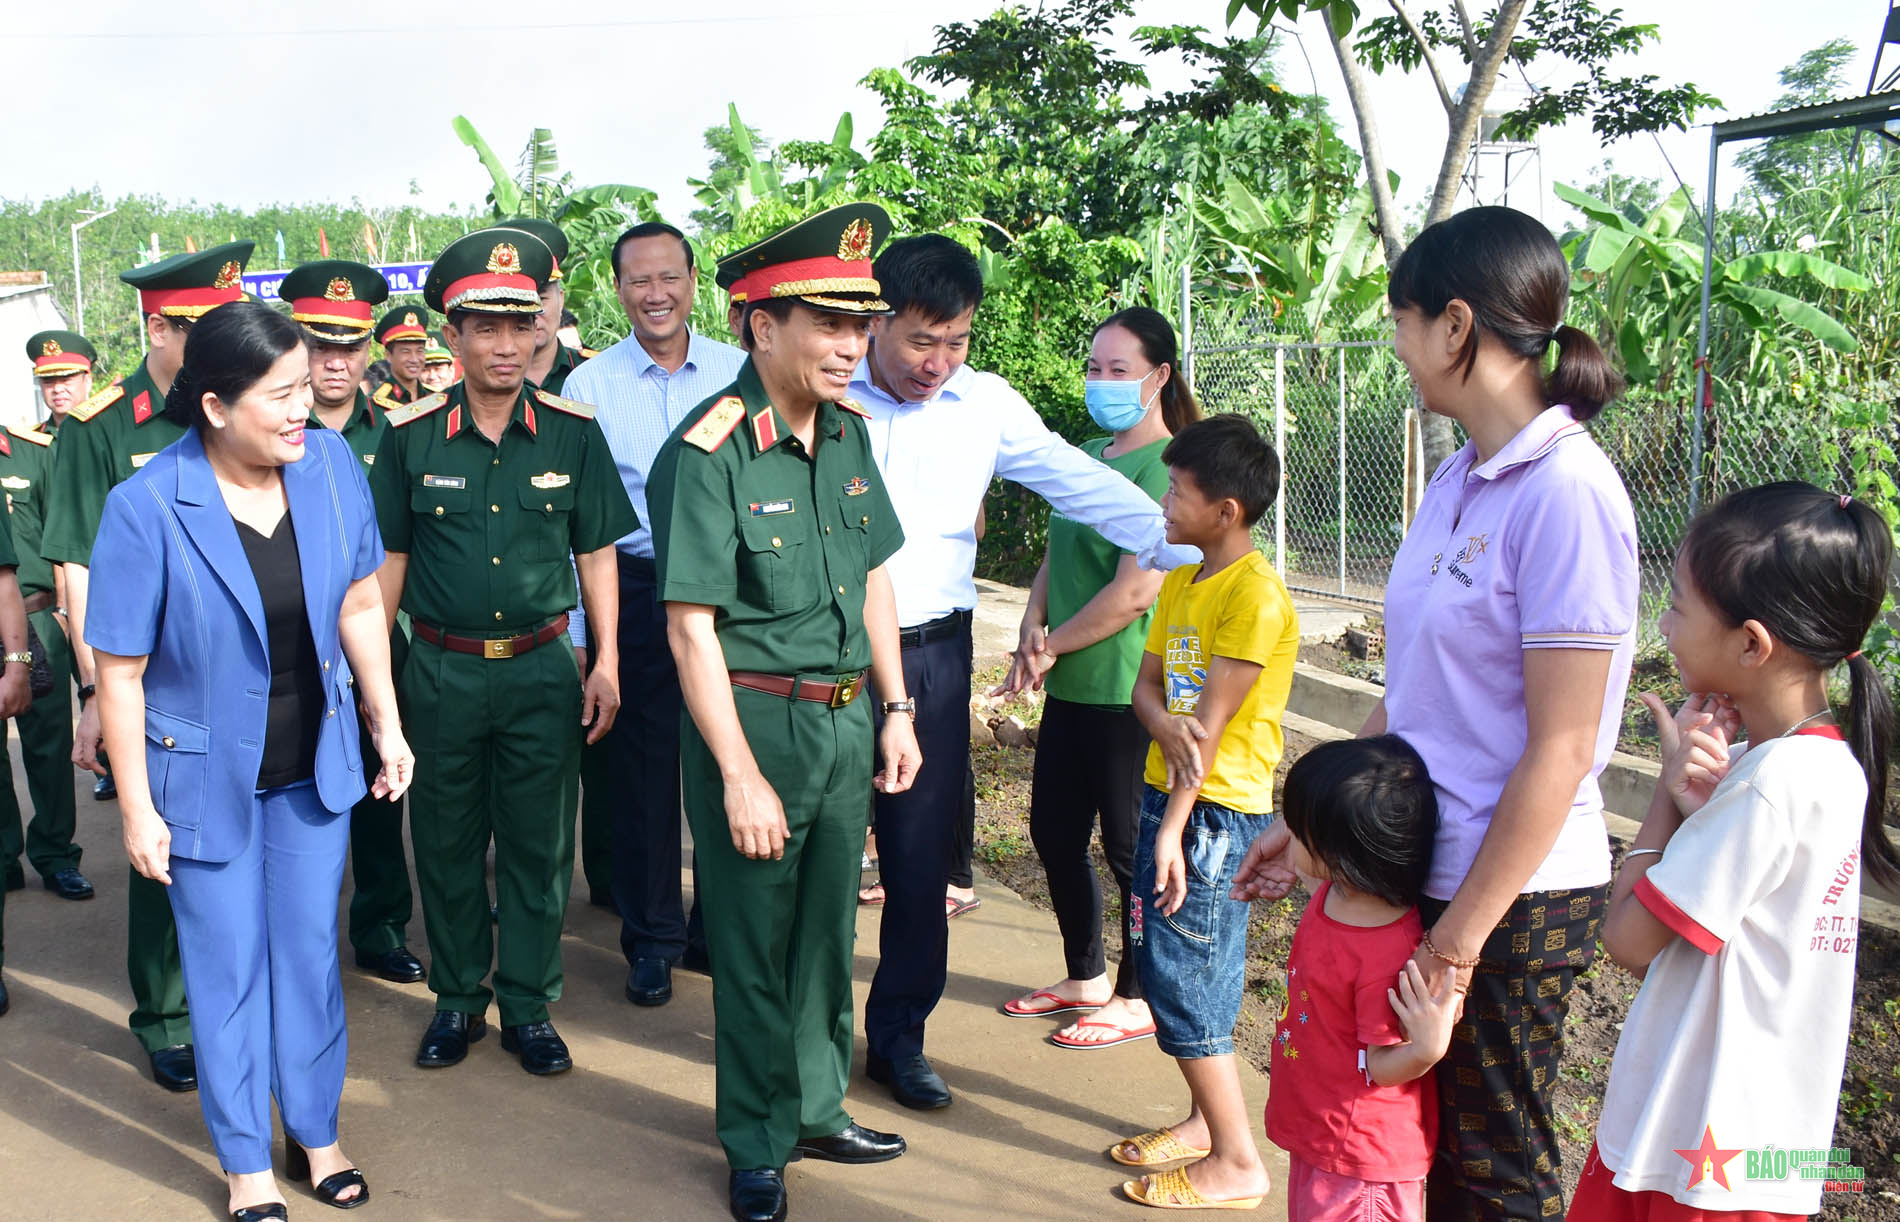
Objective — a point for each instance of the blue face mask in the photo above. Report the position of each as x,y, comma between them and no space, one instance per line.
1116,406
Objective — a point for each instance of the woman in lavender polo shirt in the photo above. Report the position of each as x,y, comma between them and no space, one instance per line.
1509,631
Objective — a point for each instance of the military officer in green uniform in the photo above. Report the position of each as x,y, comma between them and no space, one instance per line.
102,443
771,527
15,694
332,299
46,728
404,333
64,375
438,364
552,360
483,493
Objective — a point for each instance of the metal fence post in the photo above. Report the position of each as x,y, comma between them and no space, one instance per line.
1279,449
1342,470
1187,328
1704,384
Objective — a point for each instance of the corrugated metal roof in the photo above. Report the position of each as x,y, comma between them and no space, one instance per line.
1869,110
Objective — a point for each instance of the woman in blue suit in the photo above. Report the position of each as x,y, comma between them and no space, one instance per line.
243,623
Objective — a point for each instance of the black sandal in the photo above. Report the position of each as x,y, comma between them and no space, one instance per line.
258,1213
297,1167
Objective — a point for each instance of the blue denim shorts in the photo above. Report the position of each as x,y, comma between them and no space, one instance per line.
1193,963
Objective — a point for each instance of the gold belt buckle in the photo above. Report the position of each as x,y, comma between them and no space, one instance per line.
503,648
845,693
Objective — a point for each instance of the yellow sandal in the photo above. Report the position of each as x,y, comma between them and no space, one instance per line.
1171,1189
1160,1146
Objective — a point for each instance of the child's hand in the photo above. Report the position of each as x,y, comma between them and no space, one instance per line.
1170,874
1698,763
1180,742
1669,730
1427,1015
1266,873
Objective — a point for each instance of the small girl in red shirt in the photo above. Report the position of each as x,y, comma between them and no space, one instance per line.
1352,1100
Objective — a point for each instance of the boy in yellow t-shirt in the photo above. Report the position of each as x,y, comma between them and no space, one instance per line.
1212,691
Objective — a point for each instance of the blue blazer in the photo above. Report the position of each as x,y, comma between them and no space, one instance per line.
171,583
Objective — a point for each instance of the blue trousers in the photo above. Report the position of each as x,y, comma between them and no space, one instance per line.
258,939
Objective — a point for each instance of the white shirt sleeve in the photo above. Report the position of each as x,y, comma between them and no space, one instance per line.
1080,487
577,618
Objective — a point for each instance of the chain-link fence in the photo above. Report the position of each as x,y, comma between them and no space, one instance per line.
1339,416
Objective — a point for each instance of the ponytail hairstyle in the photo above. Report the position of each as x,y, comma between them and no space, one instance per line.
1155,334
1811,567
1511,272
227,352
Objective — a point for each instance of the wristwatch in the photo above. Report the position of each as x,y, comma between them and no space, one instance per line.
900,706
85,692
24,657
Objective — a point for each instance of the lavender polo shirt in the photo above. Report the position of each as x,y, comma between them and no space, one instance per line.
1535,549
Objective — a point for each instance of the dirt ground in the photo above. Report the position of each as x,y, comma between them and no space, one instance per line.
1869,1120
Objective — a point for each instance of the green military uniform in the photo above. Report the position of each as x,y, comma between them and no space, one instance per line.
46,728
104,441
566,361
332,299
488,527
401,325
779,540
8,560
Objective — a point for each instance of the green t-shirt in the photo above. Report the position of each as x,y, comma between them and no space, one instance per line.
1081,563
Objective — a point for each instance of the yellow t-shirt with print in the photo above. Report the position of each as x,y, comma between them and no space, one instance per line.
1242,612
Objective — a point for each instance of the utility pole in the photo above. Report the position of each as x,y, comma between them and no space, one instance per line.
79,285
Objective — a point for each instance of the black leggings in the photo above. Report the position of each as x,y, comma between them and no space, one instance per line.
1089,761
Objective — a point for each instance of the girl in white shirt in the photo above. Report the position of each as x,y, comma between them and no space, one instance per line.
1739,903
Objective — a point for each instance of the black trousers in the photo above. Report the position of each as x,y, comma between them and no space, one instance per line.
963,847
1089,761
916,832
640,770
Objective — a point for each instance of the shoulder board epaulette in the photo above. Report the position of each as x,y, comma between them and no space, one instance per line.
584,410
33,435
98,403
851,405
384,398
588,354
403,413
716,425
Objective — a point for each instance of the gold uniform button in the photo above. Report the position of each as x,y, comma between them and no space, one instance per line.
777,542
494,559
865,520
494,509
497,615
827,530
549,507
438,511
840,589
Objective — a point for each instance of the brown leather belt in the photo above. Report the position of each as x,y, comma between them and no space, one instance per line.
837,695
492,647
40,601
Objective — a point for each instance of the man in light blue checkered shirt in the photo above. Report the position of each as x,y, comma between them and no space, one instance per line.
643,387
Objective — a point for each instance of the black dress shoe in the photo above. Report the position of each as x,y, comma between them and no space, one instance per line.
397,965
6,1003
69,884
446,1041
540,1046
696,959
853,1144
175,1068
650,982
103,790
912,1081
757,1196
258,1213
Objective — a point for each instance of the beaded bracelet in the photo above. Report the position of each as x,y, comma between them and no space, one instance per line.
1442,955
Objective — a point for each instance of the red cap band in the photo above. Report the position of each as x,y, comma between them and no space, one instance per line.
59,364
458,289
322,309
825,274
187,303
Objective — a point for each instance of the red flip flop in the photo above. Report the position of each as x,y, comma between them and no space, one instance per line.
1123,1035
871,896
1015,1008
954,907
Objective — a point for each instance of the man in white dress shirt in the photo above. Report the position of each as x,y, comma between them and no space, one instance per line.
940,432
643,386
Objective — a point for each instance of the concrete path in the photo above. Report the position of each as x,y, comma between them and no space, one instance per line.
627,1134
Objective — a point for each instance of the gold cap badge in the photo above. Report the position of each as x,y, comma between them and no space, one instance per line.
51,348
855,245
229,276
410,320
340,290
505,260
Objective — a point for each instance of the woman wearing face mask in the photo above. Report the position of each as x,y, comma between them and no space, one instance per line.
1082,639
244,618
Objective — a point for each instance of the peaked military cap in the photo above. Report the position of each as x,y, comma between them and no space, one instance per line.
57,353
334,298
548,232
730,281
403,322
192,284
490,271
436,352
823,261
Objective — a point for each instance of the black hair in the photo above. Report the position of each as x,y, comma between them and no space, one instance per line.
227,352
1811,567
931,275
1228,457
651,229
1366,809
569,319
779,308
1155,334
1508,268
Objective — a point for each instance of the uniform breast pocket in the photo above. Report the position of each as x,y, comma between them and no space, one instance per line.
176,762
858,524
448,510
543,534
774,569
